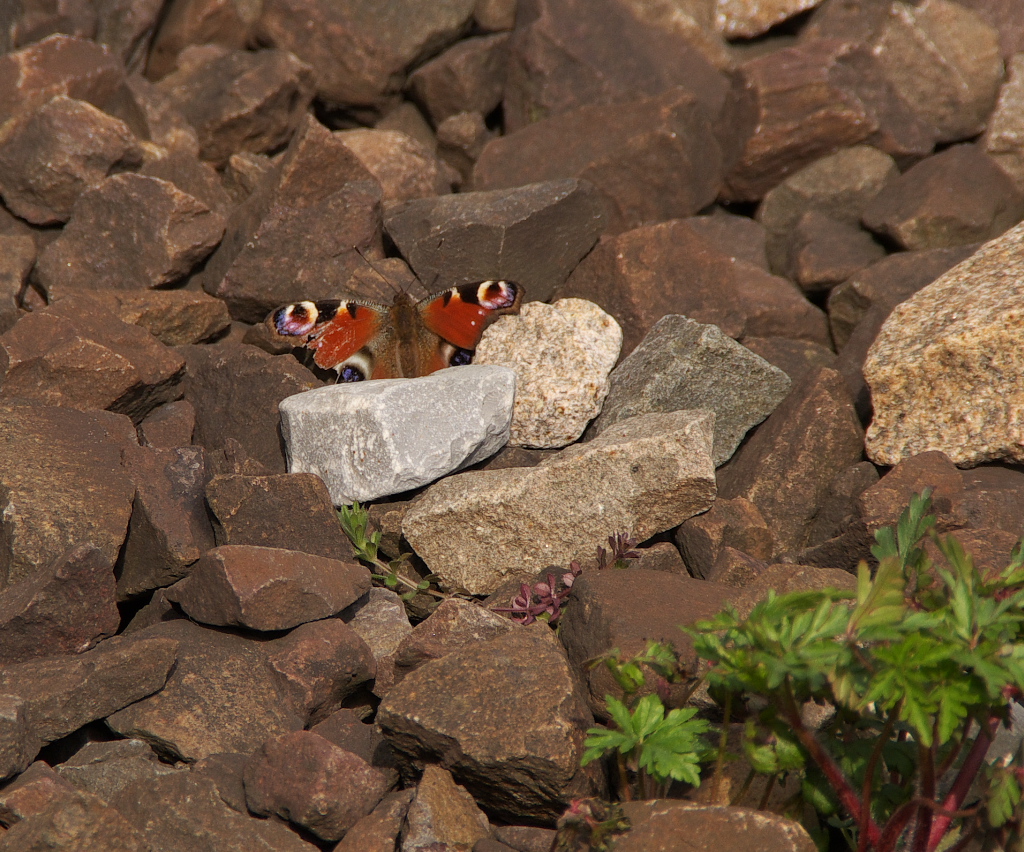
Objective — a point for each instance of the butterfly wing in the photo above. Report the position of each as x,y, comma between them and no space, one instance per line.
335,331
460,315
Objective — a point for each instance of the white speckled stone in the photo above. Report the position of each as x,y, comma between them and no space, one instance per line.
562,355
946,371
372,439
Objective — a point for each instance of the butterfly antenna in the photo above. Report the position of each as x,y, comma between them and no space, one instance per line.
391,284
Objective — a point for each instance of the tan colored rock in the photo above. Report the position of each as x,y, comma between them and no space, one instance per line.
643,476
443,815
747,18
562,355
1004,137
945,371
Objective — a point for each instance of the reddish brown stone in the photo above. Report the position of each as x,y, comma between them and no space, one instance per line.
796,358
460,141
29,22
786,465
296,237
169,528
107,768
127,27
321,664
267,588
310,782
196,177
404,168
609,609
235,390
61,484
58,65
991,499
360,53
803,114
151,232
735,568
564,55
642,275
956,197
293,511
785,577
662,556
516,750
379,830
50,155
881,504
1007,16
16,746
223,22
174,317
534,235
825,252
17,257
468,77
839,509
443,815
735,236
221,696
241,100
76,820
170,425
735,524
31,792
65,609
153,116
77,354
652,158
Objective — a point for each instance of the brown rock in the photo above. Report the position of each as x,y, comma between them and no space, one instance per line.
61,694
1007,17
321,664
442,814
77,354
783,578
825,252
58,65
839,509
787,463
153,116
291,511
65,609
839,185
17,748
266,588
991,550
223,22
169,528
50,155
666,268
460,141
360,53
192,175
406,118
652,158
241,100
625,609
737,236
184,812
743,19
221,697
675,826
468,77
174,317
382,621
661,556
75,820
805,111
943,60
504,716
534,235
17,257
956,197
881,504
733,523
105,769
296,237
991,499
378,831
796,358
31,792
735,568
404,168
1003,140
564,55
62,484
526,838
127,28
235,390
171,425
888,282
152,234
312,783
25,23
453,625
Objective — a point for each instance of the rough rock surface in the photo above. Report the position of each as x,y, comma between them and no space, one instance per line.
561,355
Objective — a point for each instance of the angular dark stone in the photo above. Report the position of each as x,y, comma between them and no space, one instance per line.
169,426
796,358
174,317
66,609
105,769
169,528
468,77
151,232
242,100
31,792
61,484
379,829
652,158
534,235
735,524
403,166
186,22
293,511
50,155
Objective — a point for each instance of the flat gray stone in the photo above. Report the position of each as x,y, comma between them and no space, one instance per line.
684,364
371,439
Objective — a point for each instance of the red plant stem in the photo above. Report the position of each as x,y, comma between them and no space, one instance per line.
962,784
869,777
894,827
847,795
926,762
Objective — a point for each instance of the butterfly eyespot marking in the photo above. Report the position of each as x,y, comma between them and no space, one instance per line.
296,320
356,368
460,357
349,373
496,295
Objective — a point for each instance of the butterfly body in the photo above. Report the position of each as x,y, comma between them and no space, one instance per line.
362,340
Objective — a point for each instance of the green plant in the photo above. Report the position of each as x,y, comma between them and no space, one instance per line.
355,521
649,746
921,665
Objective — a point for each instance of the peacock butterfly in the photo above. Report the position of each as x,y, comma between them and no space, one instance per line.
361,340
